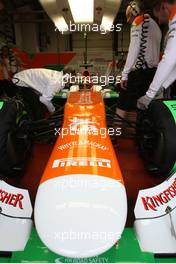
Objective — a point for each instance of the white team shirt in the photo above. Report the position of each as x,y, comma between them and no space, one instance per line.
166,72
152,51
46,82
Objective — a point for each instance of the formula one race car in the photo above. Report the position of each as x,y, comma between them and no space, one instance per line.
85,206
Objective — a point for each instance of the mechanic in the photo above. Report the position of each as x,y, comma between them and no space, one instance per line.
39,86
142,59
165,75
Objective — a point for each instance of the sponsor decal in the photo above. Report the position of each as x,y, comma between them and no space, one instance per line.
172,107
77,123
81,162
85,98
15,200
155,201
82,143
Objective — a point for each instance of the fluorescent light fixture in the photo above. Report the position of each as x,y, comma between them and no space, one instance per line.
50,6
60,23
111,9
82,10
48,1
107,22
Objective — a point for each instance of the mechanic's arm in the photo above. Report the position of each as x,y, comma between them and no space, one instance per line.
133,53
53,85
56,83
47,102
164,74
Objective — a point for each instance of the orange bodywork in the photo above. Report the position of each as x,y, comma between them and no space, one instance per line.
83,146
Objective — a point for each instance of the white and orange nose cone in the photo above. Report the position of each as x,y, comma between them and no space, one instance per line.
81,206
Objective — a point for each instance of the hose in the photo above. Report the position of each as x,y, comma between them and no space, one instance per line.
141,62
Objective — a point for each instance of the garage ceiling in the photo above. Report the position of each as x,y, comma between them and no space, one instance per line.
59,11
12,5
21,7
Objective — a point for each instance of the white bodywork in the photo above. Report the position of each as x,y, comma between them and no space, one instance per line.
86,214
155,213
15,218
15,233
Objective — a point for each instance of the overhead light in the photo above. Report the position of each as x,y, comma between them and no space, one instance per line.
107,22
46,3
51,8
82,10
111,8
60,23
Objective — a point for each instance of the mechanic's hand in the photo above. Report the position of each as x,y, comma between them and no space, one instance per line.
123,84
143,102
